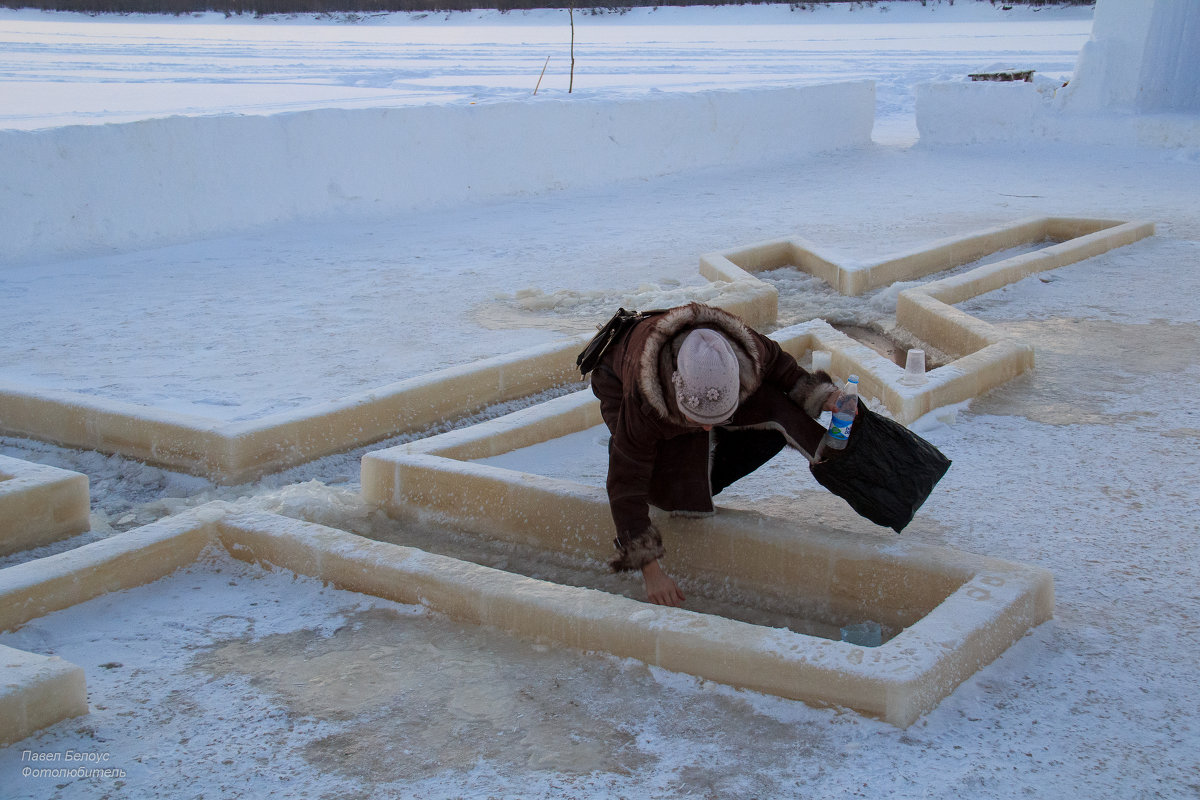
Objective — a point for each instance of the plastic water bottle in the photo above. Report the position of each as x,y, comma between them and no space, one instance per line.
844,413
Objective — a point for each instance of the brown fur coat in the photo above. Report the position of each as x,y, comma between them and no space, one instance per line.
656,455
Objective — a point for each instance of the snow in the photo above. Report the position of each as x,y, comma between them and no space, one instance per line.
359,162
71,69
238,681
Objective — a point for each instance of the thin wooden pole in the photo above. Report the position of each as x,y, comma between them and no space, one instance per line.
571,82
539,83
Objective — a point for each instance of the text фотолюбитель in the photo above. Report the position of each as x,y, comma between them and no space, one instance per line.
75,764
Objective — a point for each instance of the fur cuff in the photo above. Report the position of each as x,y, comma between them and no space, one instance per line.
811,392
641,549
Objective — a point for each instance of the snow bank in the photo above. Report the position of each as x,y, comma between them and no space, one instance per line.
89,188
982,112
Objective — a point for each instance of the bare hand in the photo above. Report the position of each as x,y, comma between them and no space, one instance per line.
831,400
660,589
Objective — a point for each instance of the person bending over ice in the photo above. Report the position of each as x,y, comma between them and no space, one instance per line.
694,399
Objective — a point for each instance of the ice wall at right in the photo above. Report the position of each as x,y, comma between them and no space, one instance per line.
1136,81
1144,55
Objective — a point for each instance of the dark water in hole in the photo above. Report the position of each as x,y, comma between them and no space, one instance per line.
889,348
798,614
869,318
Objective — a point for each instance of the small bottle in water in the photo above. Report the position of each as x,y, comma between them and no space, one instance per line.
844,412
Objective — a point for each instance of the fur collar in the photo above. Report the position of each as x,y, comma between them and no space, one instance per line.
662,346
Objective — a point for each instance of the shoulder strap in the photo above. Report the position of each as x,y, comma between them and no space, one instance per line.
610,333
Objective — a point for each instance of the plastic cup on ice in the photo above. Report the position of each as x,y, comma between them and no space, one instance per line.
914,368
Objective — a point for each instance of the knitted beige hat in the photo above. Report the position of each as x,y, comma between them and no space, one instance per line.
708,379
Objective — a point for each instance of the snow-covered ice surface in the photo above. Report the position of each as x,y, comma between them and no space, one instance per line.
240,327
62,69
260,685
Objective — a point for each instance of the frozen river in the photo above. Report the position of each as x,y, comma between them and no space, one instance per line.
72,69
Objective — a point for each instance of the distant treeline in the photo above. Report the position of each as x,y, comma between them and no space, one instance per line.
264,7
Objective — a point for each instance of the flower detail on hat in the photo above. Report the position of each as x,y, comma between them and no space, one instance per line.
712,394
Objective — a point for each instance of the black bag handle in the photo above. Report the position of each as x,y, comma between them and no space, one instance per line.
611,332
